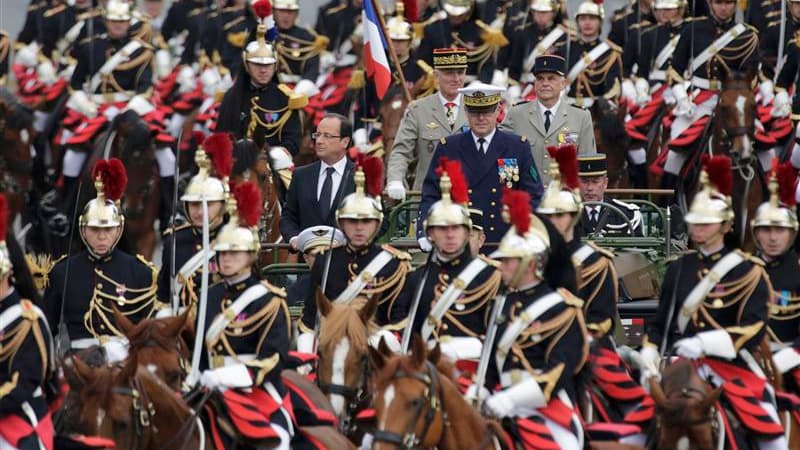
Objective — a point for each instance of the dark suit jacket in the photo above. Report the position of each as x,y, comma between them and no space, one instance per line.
483,179
302,209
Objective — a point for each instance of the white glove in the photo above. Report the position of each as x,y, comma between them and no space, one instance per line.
140,104
116,350
280,158
649,360
691,347
513,94
397,191
629,90
235,376
46,72
163,63
786,359
499,405
782,106
461,347
767,90
80,102
186,80
305,343
210,78
28,56
684,106
327,61
642,91
361,139
306,87
475,392
499,78
525,395
425,244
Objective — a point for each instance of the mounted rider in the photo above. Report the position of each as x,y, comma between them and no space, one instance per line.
713,309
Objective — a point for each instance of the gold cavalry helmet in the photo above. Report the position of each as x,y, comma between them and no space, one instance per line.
204,186
365,202
452,208
240,234
118,10
544,6
670,4
527,237
457,7
110,181
563,194
291,5
591,8
779,211
5,258
713,203
260,51
399,29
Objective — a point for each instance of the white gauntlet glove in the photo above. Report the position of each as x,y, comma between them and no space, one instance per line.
684,106
80,102
396,190
425,244
782,106
235,376
649,361
767,90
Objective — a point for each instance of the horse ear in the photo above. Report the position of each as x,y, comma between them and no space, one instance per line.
128,371
418,350
657,393
435,354
77,372
377,357
368,310
174,325
125,325
323,304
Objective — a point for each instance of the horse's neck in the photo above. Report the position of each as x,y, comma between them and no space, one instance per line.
465,427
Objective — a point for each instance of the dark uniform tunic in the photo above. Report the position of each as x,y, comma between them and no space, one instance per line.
57,21
654,39
627,22
603,77
93,286
788,77
524,41
769,40
27,365
32,28
298,54
178,17
280,125
188,242
760,13
346,264
597,286
134,74
610,222
784,321
337,19
441,34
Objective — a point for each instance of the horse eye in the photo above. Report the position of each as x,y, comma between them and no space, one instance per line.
415,402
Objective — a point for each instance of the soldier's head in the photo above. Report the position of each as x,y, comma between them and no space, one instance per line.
400,32
669,11
102,221
450,69
524,249
481,103
286,12
448,222
477,237
589,19
550,79
710,215
543,12
333,137
117,19
259,57
152,8
775,223
238,242
360,214
794,8
205,187
722,10
314,240
593,173
561,202
458,11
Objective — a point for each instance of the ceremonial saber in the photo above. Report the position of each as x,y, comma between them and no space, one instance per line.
194,375
486,350
172,294
781,43
412,317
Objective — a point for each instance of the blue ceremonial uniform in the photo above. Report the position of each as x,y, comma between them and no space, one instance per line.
485,176
189,241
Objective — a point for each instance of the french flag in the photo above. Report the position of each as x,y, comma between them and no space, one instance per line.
375,45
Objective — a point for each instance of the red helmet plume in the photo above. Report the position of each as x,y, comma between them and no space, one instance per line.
786,175
113,175
373,172
262,8
458,183
567,158
720,173
219,147
519,209
248,201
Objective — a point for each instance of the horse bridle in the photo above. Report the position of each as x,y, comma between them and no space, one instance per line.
142,410
357,397
430,405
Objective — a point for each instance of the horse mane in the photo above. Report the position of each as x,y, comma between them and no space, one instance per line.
680,375
344,321
245,153
20,117
405,363
159,392
612,128
139,137
150,330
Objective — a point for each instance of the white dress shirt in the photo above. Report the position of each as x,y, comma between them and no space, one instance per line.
445,101
552,110
589,210
487,140
336,177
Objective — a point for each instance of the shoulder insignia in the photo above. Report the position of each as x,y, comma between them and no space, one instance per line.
614,47
443,140
168,231
490,261
520,103
396,253
570,298
28,310
275,290
752,28
523,138
145,261
674,258
751,258
603,251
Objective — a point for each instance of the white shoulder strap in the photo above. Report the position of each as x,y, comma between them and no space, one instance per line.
704,287
587,60
188,269
70,36
716,46
523,321
365,276
116,59
546,42
666,52
223,319
581,254
451,294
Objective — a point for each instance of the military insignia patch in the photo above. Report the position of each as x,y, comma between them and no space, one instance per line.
567,137
271,117
508,169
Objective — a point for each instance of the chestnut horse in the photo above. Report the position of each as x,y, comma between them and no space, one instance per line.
16,162
612,139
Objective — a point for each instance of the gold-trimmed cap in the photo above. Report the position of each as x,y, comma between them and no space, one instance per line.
709,205
779,211
457,7
259,51
240,234
450,58
549,63
592,165
399,29
315,239
544,6
451,209
481,95
203,186
671,4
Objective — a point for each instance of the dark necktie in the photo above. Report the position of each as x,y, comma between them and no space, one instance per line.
325,194
547,120
481,148
593,218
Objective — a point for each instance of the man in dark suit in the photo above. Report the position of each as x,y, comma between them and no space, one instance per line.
317,188
491,160
597,218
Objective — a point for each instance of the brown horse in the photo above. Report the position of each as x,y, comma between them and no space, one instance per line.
344,364
16,162
684,408
418,404
133,407
612,139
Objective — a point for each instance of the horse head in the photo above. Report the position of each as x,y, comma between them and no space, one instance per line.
684,408
734,120
344,363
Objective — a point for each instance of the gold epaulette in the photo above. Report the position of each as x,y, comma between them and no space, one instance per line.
275,290
614,47
147,262
55,10
751,28
296,101
320,42
674,258
40,265
570,298
603,251
750,257
396,253
9,386
489,261
168,231
357,80
651,28
35,6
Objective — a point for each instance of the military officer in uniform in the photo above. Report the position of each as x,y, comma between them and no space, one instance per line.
456,287
707,50
297,48
65,25
337,19
361,268
540,344
86,287
426,122
598,219
550,119
492,160
769,39
774,231
247,324
187,240
28,363
461,28
715,300
257,102
630,20
594,64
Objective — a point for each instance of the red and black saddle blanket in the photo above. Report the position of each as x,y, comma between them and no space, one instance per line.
238,417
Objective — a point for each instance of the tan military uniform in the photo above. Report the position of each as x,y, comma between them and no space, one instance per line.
421,129
571,124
